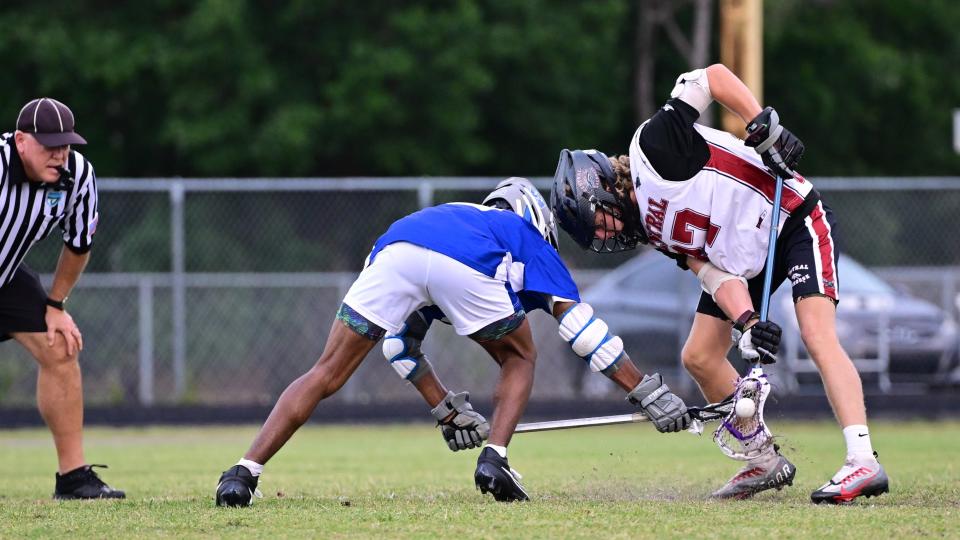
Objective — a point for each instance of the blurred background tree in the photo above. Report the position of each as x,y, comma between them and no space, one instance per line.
333,88
870,84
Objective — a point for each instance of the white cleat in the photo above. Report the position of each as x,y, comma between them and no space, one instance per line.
858,477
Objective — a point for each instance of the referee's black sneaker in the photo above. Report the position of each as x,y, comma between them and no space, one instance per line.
83,483
495,476
237,487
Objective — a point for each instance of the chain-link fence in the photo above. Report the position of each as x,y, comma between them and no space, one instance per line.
220,292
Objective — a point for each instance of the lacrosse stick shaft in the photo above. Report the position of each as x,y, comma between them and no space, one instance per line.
731,436
707,413
581,422
771,249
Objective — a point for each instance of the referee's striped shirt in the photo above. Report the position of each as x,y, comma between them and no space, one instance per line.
30,210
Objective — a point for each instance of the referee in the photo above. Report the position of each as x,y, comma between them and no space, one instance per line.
44,184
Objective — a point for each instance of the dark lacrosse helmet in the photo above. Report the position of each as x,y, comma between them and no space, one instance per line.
584,184
521,196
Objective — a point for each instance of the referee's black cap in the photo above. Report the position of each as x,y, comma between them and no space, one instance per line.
49,121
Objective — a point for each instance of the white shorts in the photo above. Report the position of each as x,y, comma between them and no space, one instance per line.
405,277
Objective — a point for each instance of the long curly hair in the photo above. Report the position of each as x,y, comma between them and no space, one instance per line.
623,184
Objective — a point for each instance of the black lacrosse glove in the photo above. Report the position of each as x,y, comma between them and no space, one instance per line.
760,342
664,408
466,428
779,149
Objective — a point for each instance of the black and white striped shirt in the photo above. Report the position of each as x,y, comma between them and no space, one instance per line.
30,210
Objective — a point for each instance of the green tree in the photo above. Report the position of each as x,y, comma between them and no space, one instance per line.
869,84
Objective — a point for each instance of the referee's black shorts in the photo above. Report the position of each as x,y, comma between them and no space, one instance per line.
23,304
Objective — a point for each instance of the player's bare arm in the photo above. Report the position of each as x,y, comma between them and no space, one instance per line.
69,267
780,149
729,291
757,340
460,425
728,90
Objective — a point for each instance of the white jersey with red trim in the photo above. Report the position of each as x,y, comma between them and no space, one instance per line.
721,213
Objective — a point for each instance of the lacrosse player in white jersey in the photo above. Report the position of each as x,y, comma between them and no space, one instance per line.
472,262
704,198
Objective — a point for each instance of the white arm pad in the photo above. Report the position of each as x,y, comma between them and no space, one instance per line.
712,277
693,88
589,337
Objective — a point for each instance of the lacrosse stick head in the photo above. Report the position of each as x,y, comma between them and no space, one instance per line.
746,437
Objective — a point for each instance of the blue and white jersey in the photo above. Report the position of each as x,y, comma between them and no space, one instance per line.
497,243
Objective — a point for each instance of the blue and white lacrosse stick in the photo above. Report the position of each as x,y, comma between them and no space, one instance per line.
743,434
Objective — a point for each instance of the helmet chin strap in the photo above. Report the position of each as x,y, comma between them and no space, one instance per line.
633,231
633,228
630,235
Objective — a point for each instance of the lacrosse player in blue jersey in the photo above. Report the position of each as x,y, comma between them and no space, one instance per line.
472,262
587,334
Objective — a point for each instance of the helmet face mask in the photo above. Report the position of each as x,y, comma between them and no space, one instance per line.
521,196
584,190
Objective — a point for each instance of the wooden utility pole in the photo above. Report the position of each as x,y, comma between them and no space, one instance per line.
741,50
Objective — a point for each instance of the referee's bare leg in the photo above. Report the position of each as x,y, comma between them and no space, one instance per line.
59,395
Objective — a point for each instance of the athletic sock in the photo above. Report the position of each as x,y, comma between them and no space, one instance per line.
255,468
502,450
765,460
858,442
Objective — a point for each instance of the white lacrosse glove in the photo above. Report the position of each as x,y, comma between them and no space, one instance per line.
760,342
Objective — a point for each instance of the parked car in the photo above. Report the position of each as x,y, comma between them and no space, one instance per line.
650,304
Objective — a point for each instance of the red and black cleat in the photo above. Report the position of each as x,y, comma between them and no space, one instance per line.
856,479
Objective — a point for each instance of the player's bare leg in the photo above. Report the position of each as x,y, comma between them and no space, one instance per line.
861,474
344,351
818,329
341,356
60,401
704,356
516,355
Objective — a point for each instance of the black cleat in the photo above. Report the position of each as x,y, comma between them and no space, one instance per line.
83,483
495,476
237,487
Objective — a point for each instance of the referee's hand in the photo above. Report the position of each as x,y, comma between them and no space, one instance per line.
61,322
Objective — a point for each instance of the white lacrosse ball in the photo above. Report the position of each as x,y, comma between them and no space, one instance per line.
745,407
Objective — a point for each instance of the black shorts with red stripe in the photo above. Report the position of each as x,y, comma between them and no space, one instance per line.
806,254
23,304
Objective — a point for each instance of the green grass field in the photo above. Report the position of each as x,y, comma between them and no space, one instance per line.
402,482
